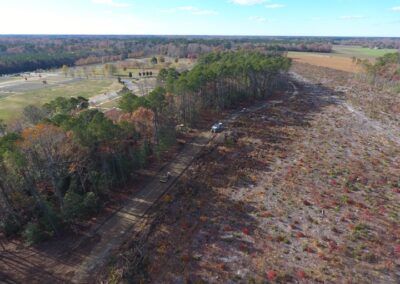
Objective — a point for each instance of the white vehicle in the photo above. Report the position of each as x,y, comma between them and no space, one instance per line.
218,127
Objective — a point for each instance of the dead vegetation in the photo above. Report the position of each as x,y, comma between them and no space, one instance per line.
303,192
380,101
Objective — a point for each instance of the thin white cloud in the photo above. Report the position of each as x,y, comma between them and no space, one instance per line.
248,2
357,17
396,9
111,3
192,10
274,6
258,19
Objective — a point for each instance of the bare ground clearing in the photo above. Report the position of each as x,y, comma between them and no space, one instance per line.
304,191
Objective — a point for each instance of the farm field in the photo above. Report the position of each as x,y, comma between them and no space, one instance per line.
18,96
360,52
340,58
333,61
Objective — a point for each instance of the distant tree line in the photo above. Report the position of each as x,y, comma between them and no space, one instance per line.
303,47
28,53
381,43
14,63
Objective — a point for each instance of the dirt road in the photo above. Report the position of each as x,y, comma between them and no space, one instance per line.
128,220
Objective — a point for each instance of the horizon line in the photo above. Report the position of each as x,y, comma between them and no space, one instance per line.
197,35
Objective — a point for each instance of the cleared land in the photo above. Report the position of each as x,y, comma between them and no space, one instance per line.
303,191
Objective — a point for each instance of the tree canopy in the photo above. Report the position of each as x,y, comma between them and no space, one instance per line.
65,163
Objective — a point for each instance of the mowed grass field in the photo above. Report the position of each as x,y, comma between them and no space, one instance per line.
145,66
12,104
341,58
360,52
16,93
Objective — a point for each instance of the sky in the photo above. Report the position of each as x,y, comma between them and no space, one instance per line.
202,17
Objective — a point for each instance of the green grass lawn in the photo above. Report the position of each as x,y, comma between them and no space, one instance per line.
360,52
182,64
9,79
11,106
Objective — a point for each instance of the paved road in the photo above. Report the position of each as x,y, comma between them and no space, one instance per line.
134,88
101,99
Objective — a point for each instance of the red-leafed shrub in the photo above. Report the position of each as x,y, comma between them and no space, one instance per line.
301,274
271,275
397,250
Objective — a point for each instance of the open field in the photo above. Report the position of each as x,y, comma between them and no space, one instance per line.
340,58
14,100
326,60
85,81
360,52
135,66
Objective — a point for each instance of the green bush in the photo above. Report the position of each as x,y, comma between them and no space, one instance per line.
73,206
78,206
10,225
35,233
167,138
99,183
90,203
50,221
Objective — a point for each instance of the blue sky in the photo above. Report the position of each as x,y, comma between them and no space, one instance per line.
202,17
